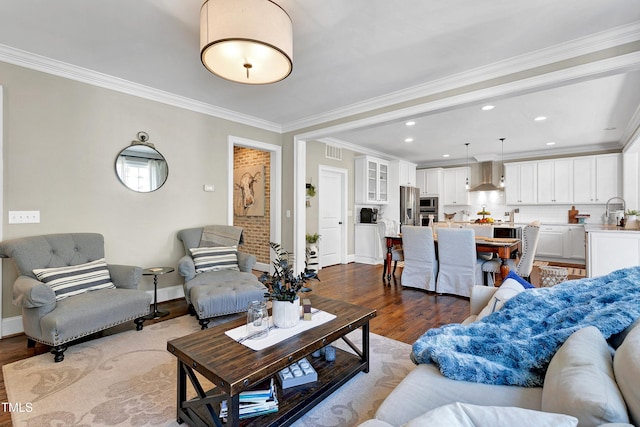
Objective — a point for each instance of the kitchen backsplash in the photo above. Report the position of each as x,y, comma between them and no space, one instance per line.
549,214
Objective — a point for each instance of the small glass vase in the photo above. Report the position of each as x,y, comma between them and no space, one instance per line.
257,320
286,314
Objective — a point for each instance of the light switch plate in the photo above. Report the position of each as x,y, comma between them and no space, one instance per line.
24,217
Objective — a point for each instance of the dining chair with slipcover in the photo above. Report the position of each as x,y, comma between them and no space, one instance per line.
524,266
67,290
420,264
482,230
459,268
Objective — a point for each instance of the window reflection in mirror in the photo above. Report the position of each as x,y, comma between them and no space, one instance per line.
141,168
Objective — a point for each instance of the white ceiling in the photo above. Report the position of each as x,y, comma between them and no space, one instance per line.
358,55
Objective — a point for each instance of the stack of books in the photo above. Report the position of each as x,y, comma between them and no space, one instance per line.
254,403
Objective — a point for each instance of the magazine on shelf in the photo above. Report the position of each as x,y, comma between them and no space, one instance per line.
254,403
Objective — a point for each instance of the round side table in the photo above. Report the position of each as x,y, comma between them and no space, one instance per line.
155,272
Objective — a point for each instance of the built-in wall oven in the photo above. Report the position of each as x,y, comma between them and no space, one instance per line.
428,207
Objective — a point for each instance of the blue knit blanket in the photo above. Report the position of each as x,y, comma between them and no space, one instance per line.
514,345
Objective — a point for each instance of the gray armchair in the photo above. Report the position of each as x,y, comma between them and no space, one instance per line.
53,321
217,292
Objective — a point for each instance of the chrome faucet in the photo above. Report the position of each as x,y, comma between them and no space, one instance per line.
511,214
606,208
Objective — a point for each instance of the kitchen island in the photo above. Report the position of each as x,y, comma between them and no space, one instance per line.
610,248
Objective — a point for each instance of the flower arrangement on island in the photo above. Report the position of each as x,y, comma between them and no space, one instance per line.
284,284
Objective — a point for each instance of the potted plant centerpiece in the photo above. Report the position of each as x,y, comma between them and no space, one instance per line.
283,287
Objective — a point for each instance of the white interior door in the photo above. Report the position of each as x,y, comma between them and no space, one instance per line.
332,215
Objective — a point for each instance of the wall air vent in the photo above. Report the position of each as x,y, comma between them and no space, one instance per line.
333,152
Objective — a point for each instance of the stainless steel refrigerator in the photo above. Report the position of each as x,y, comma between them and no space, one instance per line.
409,205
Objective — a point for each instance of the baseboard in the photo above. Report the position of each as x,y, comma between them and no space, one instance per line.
13,325
261,266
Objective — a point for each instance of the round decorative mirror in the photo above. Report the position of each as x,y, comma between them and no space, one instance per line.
140,167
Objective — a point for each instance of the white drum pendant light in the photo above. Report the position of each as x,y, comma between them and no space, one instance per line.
246,41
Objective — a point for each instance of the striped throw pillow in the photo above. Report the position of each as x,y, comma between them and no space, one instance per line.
215,258
76,279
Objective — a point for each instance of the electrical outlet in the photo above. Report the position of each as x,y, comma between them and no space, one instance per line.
24,217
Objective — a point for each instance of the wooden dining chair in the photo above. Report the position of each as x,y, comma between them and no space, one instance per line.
458,263
524,266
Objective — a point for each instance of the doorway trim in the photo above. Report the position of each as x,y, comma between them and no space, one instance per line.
344,177
275,183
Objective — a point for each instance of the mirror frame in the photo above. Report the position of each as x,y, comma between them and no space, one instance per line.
154,154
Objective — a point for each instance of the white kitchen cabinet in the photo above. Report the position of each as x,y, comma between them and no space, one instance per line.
555,181
372,180
551,241
611,250
407,172
368,245
575,243
521,183
454,191
429,181
596,179
562,242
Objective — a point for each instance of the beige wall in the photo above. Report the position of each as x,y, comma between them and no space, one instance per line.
315,158
61,138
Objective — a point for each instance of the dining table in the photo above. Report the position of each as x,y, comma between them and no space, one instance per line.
504,248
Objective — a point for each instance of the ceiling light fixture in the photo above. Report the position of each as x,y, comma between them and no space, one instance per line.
410,123
551,143
246,41
488,107
408,140
502,174
466,185
445,155
540,118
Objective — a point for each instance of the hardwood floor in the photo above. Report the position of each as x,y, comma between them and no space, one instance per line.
404,314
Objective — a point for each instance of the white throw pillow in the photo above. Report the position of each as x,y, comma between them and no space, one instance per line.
580,381
76,279
509,289
465,415
215,258
626,366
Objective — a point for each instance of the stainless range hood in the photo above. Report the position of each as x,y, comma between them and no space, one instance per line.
486,169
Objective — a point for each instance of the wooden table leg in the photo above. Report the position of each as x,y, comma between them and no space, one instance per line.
387,266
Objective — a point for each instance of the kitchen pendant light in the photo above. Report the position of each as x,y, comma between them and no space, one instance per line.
502,182
246,41
467,186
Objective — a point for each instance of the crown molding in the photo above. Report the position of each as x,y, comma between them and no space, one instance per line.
572,49
43,64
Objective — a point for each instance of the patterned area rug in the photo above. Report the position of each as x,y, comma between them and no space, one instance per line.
129,379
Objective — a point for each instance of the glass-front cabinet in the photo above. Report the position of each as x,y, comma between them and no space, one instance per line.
372,180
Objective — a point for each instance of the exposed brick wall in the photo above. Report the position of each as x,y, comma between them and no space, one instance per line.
256,228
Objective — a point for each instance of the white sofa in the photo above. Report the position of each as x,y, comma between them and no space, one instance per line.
580,381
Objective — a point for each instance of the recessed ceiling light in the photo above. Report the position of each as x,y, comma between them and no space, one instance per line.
445,155
540,118
408,140
410,123
551,143
488,107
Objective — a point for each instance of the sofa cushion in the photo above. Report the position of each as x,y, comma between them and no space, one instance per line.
425,388
466,415
76,279
509,288
215,258
626,366
580,381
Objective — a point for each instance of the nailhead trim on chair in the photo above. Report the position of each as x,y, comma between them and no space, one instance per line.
90,332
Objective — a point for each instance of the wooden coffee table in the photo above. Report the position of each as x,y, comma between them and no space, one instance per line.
233,367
